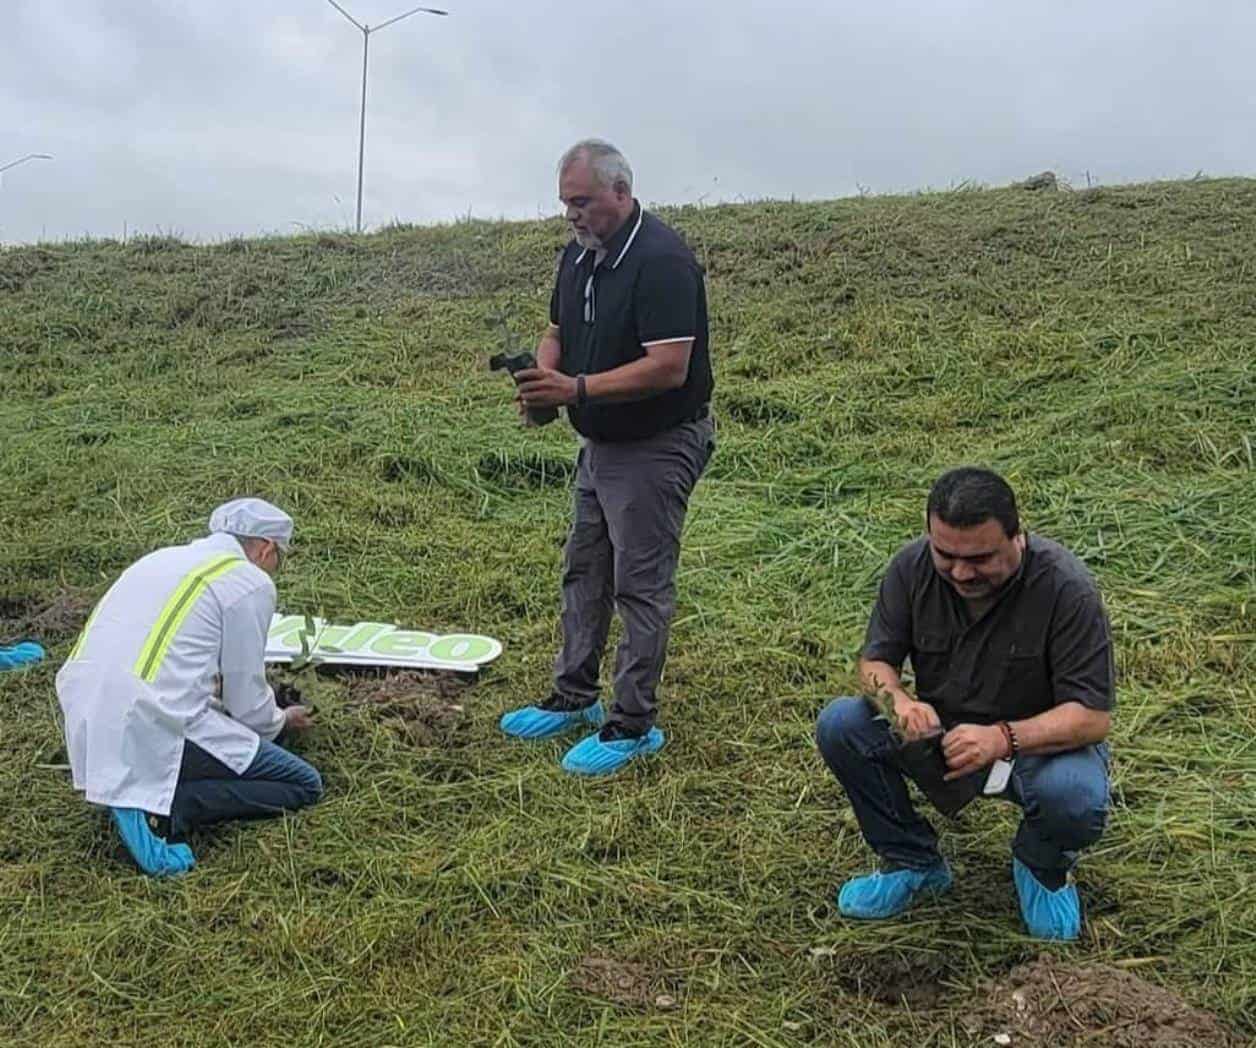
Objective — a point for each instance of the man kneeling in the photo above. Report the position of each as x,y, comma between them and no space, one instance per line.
1012,656
167,709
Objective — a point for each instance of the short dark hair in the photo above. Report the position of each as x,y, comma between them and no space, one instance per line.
968,496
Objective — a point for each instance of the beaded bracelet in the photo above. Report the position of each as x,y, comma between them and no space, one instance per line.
1013,744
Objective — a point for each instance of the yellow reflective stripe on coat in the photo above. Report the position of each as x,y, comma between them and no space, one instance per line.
176,610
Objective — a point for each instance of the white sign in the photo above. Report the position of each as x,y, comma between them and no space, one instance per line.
379,644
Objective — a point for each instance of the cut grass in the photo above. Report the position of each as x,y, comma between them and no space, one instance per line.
1095,347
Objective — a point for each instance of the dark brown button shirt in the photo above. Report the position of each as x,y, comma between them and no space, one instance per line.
1044,640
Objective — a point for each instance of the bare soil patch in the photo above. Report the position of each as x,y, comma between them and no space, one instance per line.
1047,1002
625,983
917,981
426,709
57,619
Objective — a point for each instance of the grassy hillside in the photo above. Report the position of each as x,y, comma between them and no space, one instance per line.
1098,347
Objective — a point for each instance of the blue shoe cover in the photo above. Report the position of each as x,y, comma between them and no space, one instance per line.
876,896
24,654
592,756
1048,914
150,852
532,722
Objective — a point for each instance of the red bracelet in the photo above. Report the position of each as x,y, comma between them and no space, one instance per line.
1010,736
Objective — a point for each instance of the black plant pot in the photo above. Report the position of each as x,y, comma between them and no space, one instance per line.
921,761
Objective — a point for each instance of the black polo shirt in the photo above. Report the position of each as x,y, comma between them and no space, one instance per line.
648,288
1043,641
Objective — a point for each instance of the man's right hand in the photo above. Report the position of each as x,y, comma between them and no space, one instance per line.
917,718
297,718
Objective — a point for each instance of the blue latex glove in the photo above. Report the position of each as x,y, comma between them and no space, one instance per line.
592,756
532,722
27,653
876,896
150,852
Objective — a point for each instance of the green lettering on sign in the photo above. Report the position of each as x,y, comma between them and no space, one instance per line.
362,634
402,643
461,647
333,636
286,631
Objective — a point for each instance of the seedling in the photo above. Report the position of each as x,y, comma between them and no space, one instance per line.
883,702
516,357
298,675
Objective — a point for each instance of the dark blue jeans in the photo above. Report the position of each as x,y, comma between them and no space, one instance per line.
209,791
1064,796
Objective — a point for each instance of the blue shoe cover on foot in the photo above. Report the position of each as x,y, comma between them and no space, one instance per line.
592,756
150,852
532,722
876,896
1048,914
27,653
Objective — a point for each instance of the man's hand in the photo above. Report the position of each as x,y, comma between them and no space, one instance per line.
297,718
917,718
544,388
971,747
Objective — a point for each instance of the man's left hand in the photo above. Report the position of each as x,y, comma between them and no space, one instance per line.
971,747
543,388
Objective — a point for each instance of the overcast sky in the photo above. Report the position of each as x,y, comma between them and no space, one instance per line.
209,118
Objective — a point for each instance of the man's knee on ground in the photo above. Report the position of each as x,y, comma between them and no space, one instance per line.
311,786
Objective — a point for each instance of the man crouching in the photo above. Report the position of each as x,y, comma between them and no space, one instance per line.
167,709
1012,656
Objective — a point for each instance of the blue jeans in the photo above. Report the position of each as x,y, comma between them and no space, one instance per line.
1064,796
209,791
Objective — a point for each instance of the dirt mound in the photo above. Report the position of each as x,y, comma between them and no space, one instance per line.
1046,1002
621,982
427,709
917,981
59,618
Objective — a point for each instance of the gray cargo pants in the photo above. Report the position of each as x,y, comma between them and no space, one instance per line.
622,552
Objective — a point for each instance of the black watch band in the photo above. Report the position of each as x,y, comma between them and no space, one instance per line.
582,396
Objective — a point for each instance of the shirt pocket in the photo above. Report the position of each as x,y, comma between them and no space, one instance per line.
930,663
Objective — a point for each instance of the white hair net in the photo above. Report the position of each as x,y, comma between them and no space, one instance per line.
252,518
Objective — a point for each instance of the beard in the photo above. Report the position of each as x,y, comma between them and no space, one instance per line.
588,241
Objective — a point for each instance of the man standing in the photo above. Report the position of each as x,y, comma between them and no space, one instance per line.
626,354
1012,656
167,709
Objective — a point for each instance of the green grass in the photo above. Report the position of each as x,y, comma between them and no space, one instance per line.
1099,348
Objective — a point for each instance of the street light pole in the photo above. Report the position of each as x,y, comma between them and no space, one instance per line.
366,43
22,160
366,32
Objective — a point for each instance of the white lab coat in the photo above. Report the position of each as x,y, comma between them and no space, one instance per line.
125,735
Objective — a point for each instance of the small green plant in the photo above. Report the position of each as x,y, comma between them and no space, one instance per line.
883,702
511,343
298,676
309,659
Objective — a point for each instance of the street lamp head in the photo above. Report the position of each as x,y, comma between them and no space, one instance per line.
23,159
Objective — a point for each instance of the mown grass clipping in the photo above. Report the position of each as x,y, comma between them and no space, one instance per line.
1097,347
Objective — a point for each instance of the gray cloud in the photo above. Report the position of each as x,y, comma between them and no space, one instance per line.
214,119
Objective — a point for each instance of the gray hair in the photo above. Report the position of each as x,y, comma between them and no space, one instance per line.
608,163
